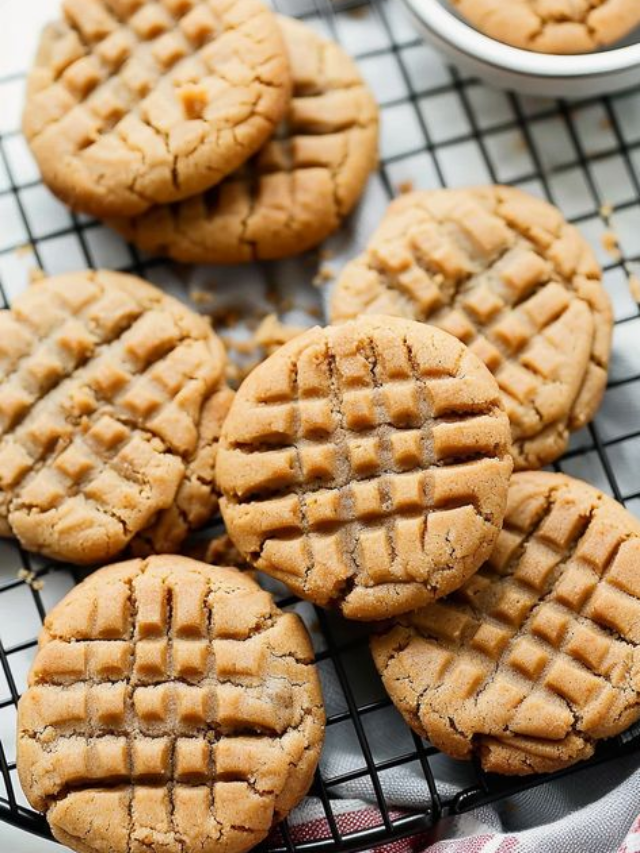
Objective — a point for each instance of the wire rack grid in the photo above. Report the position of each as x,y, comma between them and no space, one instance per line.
439,128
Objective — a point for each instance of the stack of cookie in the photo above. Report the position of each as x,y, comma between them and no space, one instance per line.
210,131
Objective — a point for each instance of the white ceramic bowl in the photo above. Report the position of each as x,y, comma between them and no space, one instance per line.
524,71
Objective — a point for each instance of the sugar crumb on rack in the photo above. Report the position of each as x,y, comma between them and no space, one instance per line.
324,275
405,187
611,244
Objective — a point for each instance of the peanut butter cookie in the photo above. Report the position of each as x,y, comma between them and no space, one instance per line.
300,186
553,26
366,465
133,103
171,706
537,656
112,396
504,272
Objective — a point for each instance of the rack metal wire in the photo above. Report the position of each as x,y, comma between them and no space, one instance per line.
439,128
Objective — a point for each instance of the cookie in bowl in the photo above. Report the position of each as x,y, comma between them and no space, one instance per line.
553,26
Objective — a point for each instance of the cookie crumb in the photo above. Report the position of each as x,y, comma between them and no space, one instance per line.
606,210
221,551
634,287
611,244
272,333
194,100
233,374
358,12
30,578
237,373
324,274
405,187
224,318
201,297
36,274
26,249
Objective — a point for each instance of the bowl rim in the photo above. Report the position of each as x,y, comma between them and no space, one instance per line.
461,36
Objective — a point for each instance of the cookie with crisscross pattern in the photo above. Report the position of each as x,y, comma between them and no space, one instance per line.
366,465
132,103
112,397
537,656
298,188
505,273
171,706
553,26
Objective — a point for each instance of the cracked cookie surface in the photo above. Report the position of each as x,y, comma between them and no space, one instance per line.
366,465
537,656
132,103
507,275
171,706
298,188
112,397
553,26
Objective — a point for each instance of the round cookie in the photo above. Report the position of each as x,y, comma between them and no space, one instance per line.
112,397
504,272
298,188
553,26
171,706
366,466
537,656
132,103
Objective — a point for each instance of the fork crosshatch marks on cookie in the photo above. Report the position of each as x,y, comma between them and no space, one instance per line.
170,703
298,188
112,397
132,103
367,465
537,656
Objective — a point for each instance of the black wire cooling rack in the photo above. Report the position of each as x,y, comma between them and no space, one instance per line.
439,128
